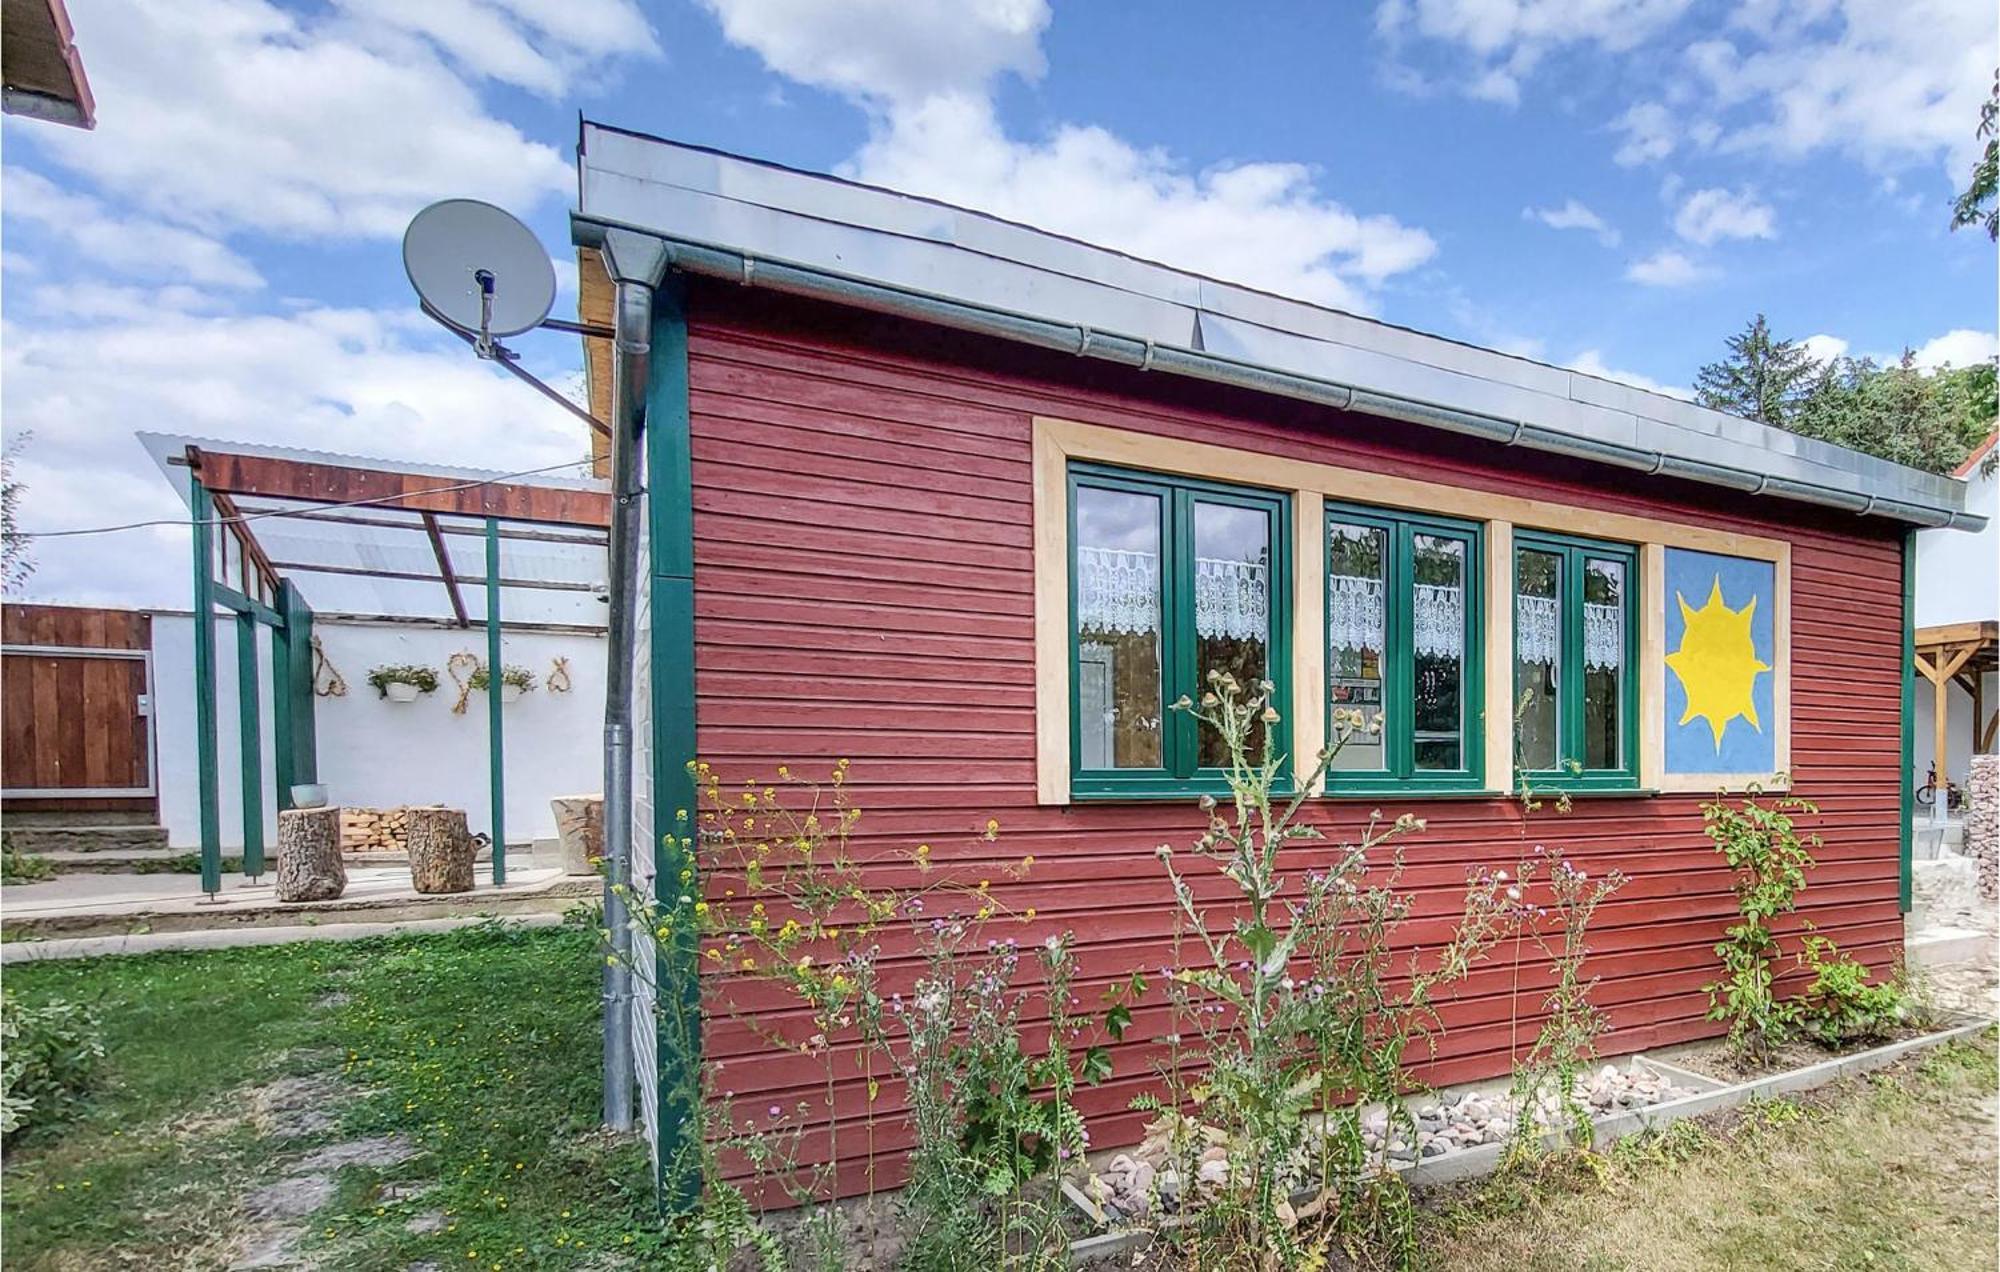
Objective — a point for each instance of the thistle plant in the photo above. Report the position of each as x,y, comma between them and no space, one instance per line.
1567,1040
1293,997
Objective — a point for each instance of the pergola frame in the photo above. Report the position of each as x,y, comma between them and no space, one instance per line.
1958,654
228,493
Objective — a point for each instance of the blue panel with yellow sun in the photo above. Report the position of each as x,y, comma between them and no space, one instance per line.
1720,622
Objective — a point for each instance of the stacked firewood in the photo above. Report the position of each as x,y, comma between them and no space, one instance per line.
374,829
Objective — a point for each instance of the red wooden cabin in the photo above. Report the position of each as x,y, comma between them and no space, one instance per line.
967,504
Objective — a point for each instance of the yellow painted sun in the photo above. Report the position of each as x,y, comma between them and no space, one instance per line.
1717,662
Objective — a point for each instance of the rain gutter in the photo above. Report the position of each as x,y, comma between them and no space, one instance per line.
749,270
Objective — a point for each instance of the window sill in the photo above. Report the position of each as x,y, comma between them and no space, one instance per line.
1557,790
1185,794
1391,790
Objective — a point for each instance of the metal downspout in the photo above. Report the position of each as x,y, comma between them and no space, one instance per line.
632,348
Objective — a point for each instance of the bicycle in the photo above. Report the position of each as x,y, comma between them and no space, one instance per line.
1927,793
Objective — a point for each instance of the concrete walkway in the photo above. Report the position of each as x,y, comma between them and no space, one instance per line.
116,904
224,938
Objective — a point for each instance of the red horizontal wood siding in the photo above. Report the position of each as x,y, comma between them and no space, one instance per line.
863,590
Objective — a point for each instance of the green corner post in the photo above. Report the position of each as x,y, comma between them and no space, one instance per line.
495,734
249,731
1906,829
670,530
283,772
200,508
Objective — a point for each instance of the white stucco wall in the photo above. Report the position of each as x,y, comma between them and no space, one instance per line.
1958,574
379,754
1958,581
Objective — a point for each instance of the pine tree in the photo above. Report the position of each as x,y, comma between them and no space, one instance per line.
1762,378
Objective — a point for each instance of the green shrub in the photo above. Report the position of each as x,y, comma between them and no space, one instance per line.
1840,1006
1770,859
49,1056
22,867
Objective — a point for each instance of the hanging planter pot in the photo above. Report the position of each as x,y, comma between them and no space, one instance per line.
514,681
402,683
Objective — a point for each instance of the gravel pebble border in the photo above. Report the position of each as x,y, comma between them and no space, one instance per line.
1692,1095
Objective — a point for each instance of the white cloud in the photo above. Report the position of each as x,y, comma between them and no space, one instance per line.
1665,268
1708,216
1886,83
1261,224
138,246
1648,128
890,50
1959,348
1591,362
1825,348
234,114
539,45
925,70
1573,215
1505,40
1889,84
355,380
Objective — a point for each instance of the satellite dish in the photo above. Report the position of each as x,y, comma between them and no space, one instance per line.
479,269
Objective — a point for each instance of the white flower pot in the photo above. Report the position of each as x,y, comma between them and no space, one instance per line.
397,691
510,693
309,795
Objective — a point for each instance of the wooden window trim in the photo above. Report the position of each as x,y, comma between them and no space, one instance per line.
1055,442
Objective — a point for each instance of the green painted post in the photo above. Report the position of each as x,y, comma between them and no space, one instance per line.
670,528
206,783
495,740
250,749
281,706
1906,805
299,683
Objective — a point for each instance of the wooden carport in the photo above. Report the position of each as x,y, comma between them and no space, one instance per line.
1961,654
239,499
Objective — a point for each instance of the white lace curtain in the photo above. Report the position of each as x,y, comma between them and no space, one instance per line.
1538,632
1356,617
1118,591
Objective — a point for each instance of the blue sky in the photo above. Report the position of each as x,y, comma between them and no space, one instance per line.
1609,184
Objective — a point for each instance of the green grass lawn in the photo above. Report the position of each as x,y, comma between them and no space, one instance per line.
1894,1170
480,1047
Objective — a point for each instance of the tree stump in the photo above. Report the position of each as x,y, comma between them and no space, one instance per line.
580,831
441,850
309,867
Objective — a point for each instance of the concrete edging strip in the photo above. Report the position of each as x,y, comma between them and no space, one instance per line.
1485,1158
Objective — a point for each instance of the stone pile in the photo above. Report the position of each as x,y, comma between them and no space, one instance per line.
1134,1185
1982,822
374,829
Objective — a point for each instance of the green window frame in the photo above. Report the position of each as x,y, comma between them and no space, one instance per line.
1571,771
1180,772
1399,772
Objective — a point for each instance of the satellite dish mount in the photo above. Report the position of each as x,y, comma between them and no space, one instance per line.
483,275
